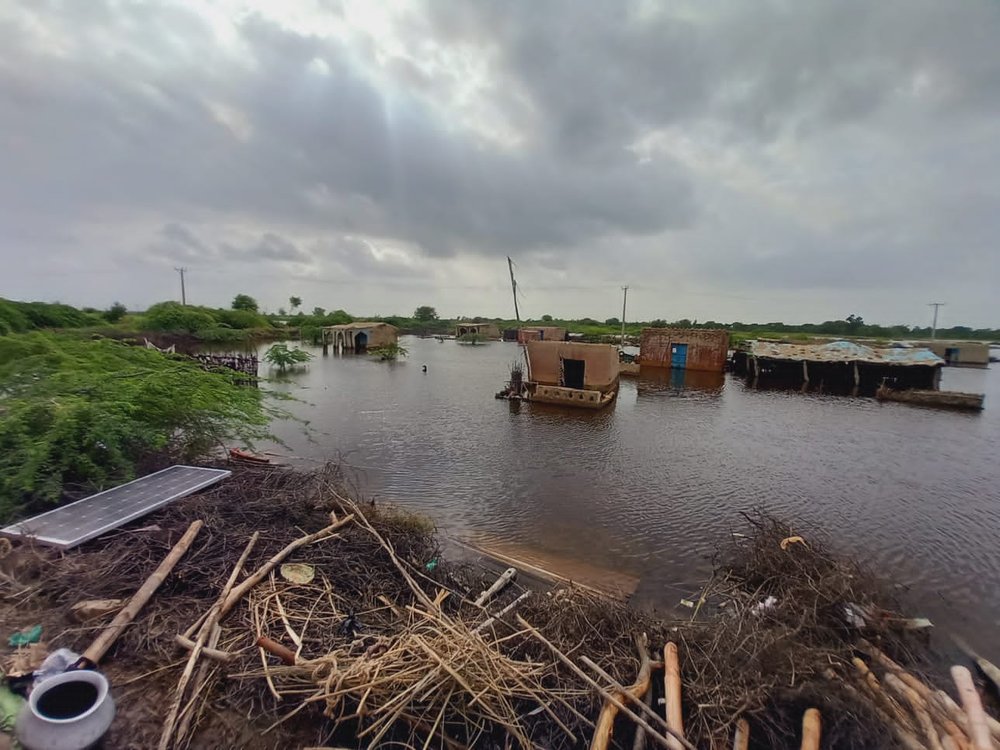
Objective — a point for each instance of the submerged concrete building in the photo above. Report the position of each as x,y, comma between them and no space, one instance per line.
960,353
705,349
486,330
541,333
570,373
360,336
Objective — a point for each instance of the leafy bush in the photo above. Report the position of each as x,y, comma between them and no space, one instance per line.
282,356
175,317
241,319
244,302
80,412
388,352
12,320
56,315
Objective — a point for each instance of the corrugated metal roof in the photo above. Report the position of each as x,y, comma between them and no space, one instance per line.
844,351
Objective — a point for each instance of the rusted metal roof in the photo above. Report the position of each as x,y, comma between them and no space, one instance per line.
844,351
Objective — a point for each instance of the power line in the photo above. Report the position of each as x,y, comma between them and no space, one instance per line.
182,271
935,305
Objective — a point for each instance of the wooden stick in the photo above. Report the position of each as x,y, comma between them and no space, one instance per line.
951,709
637,691
209,653
506,577
188,712
274,648
258,575
654,734
672,692
166,737
811,729
900,727
979,731
741,739
93,655
506,610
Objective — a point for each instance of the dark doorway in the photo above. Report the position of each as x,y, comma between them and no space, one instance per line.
361,342
573,373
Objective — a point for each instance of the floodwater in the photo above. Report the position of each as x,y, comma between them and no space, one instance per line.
647,487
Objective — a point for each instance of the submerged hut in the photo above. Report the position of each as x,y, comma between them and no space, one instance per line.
486,330
541,333
960,353
359,336
568,373
704,349
838,365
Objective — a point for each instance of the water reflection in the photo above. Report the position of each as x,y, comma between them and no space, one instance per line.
656,381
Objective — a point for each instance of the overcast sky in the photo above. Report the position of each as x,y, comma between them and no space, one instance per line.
729,160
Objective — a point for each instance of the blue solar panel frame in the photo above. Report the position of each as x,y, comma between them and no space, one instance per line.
75,523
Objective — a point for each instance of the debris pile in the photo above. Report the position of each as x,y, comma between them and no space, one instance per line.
299,616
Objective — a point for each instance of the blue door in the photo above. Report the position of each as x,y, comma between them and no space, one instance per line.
678,355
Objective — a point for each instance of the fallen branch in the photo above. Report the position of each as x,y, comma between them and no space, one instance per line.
637,691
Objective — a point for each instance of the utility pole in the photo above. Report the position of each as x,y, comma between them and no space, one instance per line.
935,305
182,271
624,302
513,287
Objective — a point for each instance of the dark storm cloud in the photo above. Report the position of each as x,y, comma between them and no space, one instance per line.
786,144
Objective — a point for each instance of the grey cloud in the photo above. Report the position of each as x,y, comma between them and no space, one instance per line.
271,247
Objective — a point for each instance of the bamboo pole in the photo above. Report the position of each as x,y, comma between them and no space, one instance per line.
214,615
917,706
93,655
741,738
654,734
672,692
637,691
979,731
811,729
899,726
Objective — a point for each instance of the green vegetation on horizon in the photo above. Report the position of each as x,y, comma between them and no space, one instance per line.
81,414
244,320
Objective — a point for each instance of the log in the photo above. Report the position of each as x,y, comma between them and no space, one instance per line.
811,729
741,738
946,704
637,691
653,734
93,655
212,619
672,691
979,731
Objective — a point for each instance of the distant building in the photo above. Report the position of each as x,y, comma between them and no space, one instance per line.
838,366
684,348
541,333
960,353
486,330
573,374
360,336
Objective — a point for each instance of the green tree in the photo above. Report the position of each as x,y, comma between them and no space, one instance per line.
283,357
389,352
173,316
546,318
295,303
425,314
318,312
115,313
244,302
612,322
86,412
854,322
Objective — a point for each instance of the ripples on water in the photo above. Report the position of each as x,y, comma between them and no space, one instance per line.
651,484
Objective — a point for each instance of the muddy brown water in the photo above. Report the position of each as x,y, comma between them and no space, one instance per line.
648,487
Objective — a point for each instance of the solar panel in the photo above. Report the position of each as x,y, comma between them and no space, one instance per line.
85,519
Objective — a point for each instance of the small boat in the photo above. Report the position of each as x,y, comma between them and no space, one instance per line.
238,454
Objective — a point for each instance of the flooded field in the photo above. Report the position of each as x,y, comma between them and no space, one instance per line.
645,488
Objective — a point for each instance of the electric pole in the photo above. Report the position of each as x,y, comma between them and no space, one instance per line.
624,302
182,271
935,305
513,287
